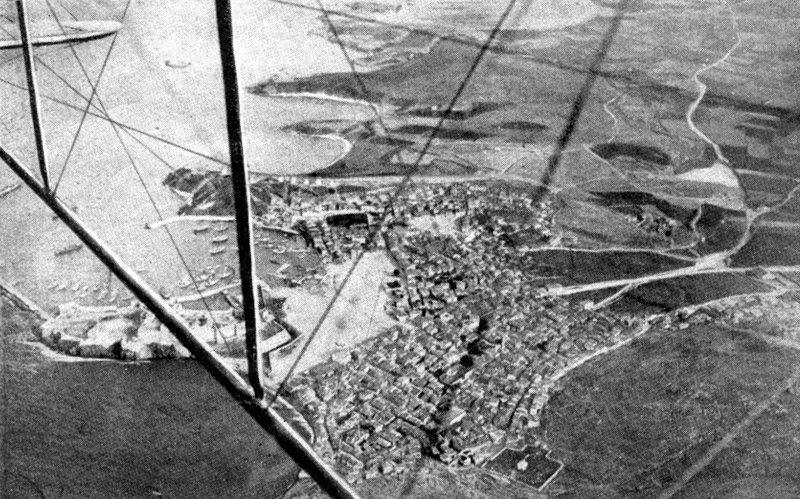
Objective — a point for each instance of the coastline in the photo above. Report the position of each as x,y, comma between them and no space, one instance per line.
49,354
97,428
321,96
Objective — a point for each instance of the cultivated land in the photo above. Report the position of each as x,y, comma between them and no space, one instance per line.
609,313
680,169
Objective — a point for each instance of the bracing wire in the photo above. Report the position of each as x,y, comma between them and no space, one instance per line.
89,80
123,126
131,160
74,18
86,99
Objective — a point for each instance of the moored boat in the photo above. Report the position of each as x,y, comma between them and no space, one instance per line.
66,250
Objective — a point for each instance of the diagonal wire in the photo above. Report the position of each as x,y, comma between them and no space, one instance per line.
149,149
12,59
123,126
86,99
93,85
60,4
12,35
170,235
400,188
136,169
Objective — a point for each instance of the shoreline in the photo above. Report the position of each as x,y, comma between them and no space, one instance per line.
48,353
319,96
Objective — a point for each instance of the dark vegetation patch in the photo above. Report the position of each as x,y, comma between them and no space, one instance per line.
336,84
309,128
619,199
789,211
770,246
523,126
346,168
641,152
457,113
739,158
390,141
376,157
592,224
368,157
769,189
425,85
441,133
585,267
721,228
633,421
757,132
671,294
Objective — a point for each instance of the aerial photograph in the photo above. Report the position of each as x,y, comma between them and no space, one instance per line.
400,249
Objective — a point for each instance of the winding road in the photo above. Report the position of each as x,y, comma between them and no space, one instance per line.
702,87
707,264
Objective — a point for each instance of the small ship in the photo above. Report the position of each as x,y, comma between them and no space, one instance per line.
66,250
53,33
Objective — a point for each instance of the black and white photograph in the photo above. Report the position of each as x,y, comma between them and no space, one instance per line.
400,249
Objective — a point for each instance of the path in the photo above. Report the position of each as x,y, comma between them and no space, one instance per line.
702,87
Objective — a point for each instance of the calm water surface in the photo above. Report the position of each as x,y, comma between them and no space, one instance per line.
105,429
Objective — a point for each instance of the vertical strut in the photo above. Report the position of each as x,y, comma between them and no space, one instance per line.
241,198
30,74
258,408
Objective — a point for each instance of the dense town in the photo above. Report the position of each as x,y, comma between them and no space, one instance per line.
467,369
477,343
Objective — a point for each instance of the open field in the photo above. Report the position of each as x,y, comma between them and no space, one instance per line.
630,424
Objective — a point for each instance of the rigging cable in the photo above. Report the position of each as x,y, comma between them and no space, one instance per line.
136,169
86,99
123,126
89,80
